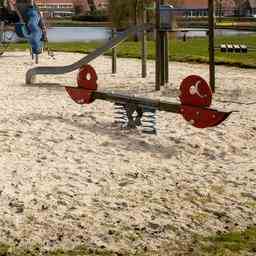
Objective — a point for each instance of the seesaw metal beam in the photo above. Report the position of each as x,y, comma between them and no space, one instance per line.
156,104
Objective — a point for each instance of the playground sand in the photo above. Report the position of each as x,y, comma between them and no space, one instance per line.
70,176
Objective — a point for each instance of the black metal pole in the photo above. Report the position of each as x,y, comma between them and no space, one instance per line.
163,67
163,52
211,26
1,32
158,48
144,45
166,57
114,54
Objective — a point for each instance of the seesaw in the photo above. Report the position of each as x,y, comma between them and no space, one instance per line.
195,100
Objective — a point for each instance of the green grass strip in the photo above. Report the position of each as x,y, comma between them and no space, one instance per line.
236,243
227,244
193,50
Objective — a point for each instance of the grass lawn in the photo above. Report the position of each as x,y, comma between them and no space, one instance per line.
74,23
193,50
237,243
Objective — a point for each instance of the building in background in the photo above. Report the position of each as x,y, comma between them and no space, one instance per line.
247,8
242,8
64,8
199,8
56,8
194,8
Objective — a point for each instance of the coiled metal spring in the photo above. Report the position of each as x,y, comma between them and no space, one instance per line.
149,120
120,114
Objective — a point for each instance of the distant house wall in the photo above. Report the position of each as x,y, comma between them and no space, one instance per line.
225,8
194,8
56,8
239,8
53,8
252,6
198,8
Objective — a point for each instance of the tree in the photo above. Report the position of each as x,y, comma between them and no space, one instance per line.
119,13
124,13
92,5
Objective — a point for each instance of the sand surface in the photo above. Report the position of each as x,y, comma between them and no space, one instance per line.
70,176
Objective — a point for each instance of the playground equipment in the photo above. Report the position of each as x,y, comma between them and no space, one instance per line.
27,22
165,16
162,26
31,74
195,100
196,94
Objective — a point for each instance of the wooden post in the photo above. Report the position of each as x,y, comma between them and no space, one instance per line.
211,26
114,53
166,57
1,31
163,57
158,47
144,46
36,58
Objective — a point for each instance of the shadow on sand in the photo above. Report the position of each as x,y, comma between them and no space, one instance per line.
128,140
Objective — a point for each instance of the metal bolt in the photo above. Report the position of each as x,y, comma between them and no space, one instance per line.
192,90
